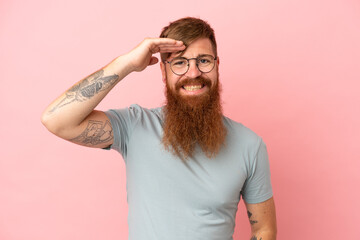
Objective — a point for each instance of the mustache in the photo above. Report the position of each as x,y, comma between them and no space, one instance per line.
193,81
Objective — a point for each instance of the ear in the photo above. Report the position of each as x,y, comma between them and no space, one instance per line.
218,60
163,71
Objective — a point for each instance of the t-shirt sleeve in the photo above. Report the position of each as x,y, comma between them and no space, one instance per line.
257,187
123,122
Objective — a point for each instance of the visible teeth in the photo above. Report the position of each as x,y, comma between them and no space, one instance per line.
192,87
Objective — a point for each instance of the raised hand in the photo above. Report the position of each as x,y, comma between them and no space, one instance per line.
142,55
72,116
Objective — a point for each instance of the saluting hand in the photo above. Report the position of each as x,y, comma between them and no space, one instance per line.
142,55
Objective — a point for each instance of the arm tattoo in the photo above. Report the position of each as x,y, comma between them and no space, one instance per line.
255,238
252,222
95,133
87,88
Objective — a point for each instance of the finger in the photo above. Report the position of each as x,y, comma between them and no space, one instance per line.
158,43
165,45
170,50
153,61
167,41
167,48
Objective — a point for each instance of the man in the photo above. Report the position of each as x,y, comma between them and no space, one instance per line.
187,165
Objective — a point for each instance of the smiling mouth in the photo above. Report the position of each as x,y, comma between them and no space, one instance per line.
192,88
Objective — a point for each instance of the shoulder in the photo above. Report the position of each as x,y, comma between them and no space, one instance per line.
135,111
147,113
240,132
242,140
136,115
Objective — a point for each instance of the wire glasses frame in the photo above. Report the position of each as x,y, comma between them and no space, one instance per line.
181,65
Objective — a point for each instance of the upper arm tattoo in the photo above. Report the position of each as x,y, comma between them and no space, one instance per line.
96,132
252,222
87,88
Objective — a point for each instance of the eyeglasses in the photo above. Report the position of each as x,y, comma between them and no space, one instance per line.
180,65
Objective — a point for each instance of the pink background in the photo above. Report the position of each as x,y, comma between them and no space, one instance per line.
290,71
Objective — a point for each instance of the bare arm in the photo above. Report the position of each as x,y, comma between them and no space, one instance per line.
72,116
262,218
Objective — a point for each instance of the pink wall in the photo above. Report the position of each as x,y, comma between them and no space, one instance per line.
290,72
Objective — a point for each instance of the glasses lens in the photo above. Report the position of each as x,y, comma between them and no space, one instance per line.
206,63
179,65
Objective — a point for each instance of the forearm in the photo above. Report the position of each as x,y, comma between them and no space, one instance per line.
64,116
264,235
72,107
262,218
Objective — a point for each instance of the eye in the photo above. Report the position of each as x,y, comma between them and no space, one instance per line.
204,60
179,62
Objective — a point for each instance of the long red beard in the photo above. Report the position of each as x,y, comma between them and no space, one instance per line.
193,120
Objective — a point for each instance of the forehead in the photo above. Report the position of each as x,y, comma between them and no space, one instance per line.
200,46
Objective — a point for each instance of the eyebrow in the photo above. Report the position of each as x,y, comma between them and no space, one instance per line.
200,55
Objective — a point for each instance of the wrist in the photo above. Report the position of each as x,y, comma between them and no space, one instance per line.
120,66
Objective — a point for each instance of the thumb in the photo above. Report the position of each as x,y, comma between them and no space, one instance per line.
153,60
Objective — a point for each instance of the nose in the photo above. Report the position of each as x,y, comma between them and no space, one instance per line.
193,71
